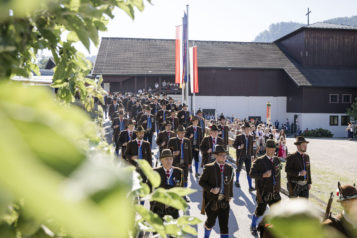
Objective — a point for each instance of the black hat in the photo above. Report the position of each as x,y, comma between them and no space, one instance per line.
346,192
184,105
165,123
270,143
246,125
121,112
221,117
181,128
219,149
139,129
148,108
214,128
131,122
163,103
299,140
165,153
198,111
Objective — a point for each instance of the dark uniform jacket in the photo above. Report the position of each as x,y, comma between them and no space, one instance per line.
265,186
175,145
211,178
225,131
163,136
202,124
132,150
113,108
190,132
294,164
174,122
160,116
155,108
206,144
344,227
134,111
144,122
241,140
183,117
124,138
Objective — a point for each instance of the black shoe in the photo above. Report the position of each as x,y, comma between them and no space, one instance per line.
254,231
251,189
198,175
237,184
186,199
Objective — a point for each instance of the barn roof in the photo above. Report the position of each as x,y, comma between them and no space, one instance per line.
135,56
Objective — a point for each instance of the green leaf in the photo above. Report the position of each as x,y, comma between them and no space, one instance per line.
182,191
190,230
72,37
171,199
153,176
188,220
152,218
172,229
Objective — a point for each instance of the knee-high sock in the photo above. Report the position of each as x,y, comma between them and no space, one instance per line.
254,221
207,233
237,177
225,236
249,181
196,166
185,185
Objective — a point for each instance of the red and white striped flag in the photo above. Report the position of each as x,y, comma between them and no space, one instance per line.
178,56
193,69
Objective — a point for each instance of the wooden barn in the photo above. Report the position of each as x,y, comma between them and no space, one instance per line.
309,76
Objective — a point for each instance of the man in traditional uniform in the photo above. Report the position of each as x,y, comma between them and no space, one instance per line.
138,149
223,130
183,116
113,108
201,121
346,222
182,151
173,120
162,115
147,120
170,177
217,183
194,133
266,172
244,152
163,137
119,124
298,170
125,136
208,145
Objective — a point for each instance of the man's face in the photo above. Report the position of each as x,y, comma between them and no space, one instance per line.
270,151
168,127
195,122
246,130
185,108
131,127
180,134
302,147
167,162
148,112
223,121
121,117
172,114
140,135
221,157
199,114
214,133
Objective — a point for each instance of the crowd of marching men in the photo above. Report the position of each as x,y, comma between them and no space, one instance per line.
190,143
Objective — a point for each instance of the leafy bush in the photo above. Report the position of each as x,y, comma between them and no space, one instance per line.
319,132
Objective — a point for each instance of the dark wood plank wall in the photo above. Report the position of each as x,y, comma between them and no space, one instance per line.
294,46
331,48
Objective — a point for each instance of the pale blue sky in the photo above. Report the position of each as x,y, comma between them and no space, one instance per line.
222,20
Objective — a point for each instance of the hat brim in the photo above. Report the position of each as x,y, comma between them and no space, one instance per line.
218,152
300,142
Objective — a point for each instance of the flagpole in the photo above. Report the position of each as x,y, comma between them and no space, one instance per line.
187,62
181,78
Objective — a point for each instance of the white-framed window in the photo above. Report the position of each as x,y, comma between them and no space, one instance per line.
346,98
333,98
333,120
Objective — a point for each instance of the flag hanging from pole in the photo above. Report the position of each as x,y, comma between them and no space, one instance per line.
178,55
193,70
184,49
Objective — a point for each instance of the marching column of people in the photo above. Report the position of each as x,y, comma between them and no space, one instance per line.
183,139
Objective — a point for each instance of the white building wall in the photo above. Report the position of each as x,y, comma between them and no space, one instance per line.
322,120
243,107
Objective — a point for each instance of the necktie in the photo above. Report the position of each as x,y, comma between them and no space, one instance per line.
221,167
167,174
303,161
168,135
140,153
173,123
195,133
149,123
164,116
213,144
181,148
121,125
273,170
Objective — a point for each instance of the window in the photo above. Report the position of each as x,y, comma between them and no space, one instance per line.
346,98
345,120
333,120
333,98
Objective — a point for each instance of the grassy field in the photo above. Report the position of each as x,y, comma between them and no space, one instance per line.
323,183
